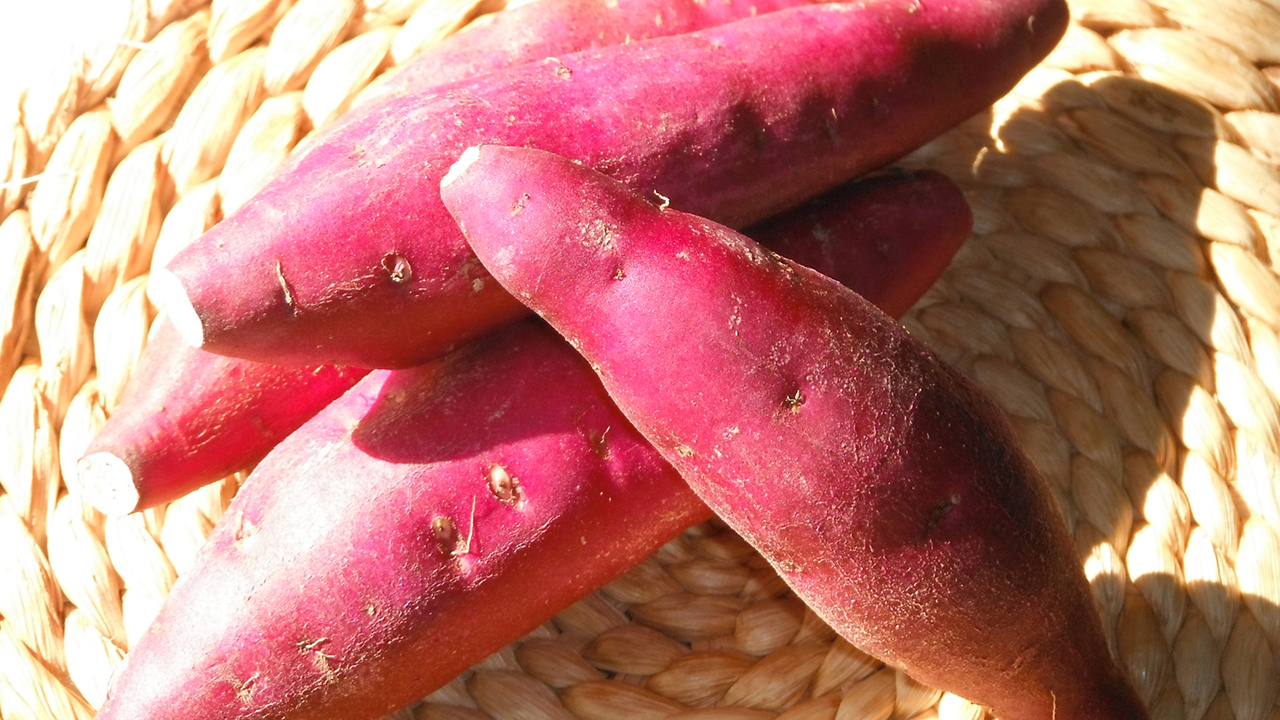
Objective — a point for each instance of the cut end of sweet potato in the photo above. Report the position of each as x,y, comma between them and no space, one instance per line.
173,300
105,481
464,161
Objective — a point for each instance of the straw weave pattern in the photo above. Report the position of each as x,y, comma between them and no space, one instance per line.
1118,298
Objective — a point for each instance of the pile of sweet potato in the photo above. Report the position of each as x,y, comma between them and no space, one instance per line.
405,522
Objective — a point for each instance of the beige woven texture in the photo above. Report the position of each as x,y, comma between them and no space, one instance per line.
1118,298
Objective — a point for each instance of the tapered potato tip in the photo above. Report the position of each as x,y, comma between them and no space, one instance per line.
106,482
464,161
173,300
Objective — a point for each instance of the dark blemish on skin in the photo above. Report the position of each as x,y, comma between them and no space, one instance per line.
518,205
940,511
760,140
445,533
562,71
284,285
447,537
504,486
619,274
319,658
793,401
244,690
245,529
599,442
397,268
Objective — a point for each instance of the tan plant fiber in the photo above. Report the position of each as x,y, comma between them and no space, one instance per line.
29,467
1197,65
261,146
340,76
28,689
120,245
236,24
15,151
48,108
430,23
306,33
19,268
209,121
1251,26
64,334
1115,14
32,603
65,204
153,85
85,417
119,336
381,13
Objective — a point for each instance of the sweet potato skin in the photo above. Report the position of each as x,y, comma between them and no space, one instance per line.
349,257
529,33
886,237
885,488
382,528
191,417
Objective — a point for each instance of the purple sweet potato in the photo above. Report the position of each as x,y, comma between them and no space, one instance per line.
886,489
191,417
348,256
419,523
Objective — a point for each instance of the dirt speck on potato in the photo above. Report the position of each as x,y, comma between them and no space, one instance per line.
504,486
397,268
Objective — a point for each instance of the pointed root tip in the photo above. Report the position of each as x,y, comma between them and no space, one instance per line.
172,299
469,156
104,481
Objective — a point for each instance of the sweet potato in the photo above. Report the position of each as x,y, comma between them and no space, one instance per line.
884,487
428,434
191,417
886,237
531,32
422,521
348,256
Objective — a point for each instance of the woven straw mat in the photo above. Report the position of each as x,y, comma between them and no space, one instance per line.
1119,299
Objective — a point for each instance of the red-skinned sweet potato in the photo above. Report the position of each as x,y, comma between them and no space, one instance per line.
530,32
339,498
887,490
191,417
887,237
422,521
348,255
